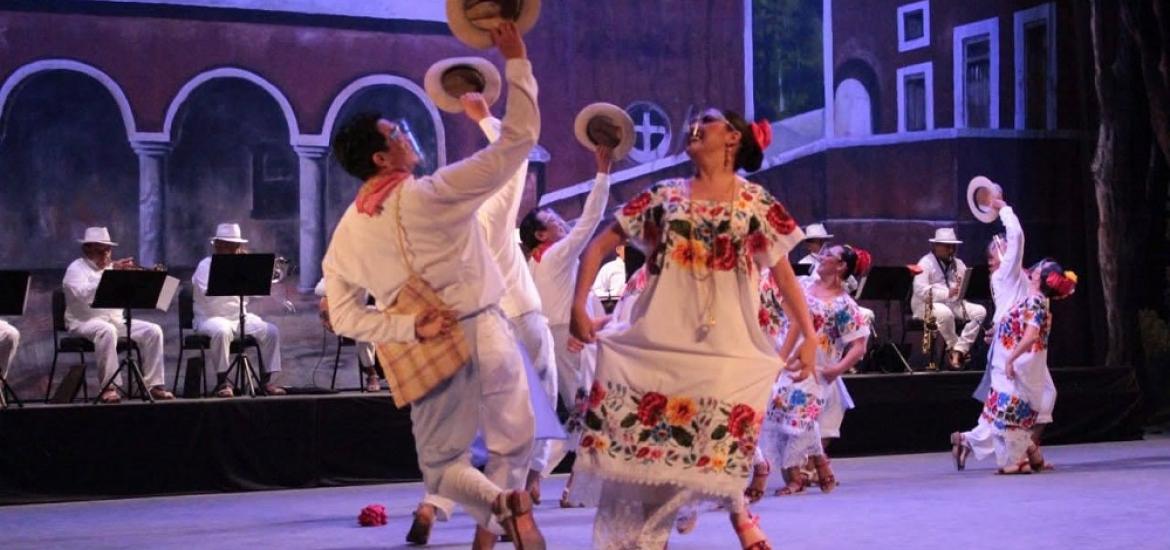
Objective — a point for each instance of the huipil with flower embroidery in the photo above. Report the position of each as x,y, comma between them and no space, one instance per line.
1014,406
790,432
671,406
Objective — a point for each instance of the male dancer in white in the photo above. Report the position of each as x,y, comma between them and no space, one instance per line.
520,302
448,251
556,250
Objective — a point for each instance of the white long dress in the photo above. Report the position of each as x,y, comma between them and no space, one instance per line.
677,402
1014,406
791,433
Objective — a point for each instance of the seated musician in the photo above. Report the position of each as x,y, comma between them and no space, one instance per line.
104,326
219,318
941,275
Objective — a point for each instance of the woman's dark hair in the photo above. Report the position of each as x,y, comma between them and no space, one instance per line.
356,142
528,228
1054,283
750,155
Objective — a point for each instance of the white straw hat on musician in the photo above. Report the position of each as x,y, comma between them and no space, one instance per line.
228,233
817,232
596,124
945,235
97,235
472,20
447,80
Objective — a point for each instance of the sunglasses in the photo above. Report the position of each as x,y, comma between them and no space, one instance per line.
400,129
706,118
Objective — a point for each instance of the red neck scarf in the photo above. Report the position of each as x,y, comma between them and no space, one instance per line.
540,250
374,192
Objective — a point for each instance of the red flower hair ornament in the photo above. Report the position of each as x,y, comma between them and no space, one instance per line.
762,130
864,262
1063,284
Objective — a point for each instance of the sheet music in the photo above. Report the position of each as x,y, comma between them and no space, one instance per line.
966,281
27,291
167,294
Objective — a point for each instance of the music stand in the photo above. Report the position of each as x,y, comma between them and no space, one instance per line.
888,284
241,275
977,288
14,287
802,270
129,290
977,284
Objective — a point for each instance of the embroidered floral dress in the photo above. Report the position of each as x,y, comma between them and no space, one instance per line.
1013,406
791,432
675,404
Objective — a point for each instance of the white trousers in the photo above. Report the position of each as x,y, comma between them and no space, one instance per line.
533,332
537,342
9,341
490,393
981,439
104,336
365,354
222,331
946,314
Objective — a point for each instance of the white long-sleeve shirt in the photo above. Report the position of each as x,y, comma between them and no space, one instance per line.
446,243
1009,284
934,280
556,271
497,219
80,285
207,307
611,279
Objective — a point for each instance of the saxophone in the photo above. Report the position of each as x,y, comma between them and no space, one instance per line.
929,327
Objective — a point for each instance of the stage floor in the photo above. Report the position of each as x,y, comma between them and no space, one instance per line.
1106,495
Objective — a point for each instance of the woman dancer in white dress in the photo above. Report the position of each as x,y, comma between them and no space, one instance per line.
791,435
681,387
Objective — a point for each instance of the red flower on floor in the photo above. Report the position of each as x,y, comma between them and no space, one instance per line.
372,516
651,408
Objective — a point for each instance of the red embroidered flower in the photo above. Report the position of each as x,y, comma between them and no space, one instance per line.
779,219
596,395
703,461
757,242
724,257
587,441
741,419
636,204
765,317
651,408
643,452
372,515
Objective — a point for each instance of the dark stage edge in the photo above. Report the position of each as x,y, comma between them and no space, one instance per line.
83,452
